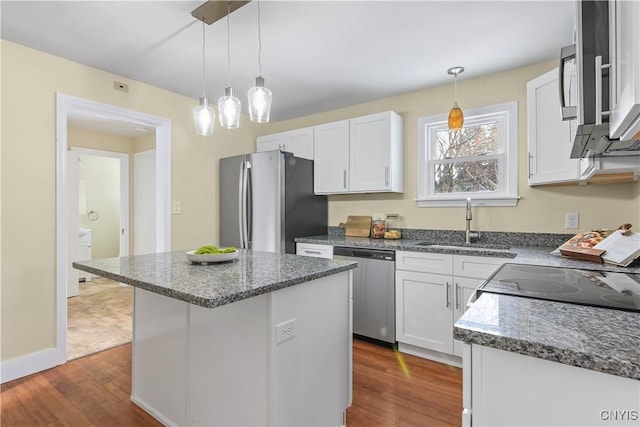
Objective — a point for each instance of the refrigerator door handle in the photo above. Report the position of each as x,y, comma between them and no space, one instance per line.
243,208
241,205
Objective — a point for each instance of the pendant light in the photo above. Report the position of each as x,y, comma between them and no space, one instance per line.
259,97
203,115
229,105
456,118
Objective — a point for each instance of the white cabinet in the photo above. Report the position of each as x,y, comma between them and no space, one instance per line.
298,141
360,155
431,294
550,138
625,55
510,389
423,310
314,250
375,153
331,154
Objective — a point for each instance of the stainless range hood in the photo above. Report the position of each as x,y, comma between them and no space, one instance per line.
595,85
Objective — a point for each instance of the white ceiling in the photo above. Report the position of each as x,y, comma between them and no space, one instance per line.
316,55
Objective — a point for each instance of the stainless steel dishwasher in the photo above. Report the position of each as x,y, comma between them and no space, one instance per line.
374,306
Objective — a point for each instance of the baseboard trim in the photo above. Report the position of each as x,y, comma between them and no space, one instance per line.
151,411
30,364
436,356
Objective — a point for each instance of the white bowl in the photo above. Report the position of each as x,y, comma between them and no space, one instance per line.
207,258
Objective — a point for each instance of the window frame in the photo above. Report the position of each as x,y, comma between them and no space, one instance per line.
507,116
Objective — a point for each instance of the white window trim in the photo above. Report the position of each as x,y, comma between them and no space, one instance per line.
509,197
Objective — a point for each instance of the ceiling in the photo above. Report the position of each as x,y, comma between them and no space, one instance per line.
316,55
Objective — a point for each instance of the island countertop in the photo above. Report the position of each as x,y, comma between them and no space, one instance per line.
599,339
253,273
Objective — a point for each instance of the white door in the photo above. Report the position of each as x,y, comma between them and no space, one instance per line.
423,310
144,177
269,142
73,160
331,154
299,142
369,155
550,138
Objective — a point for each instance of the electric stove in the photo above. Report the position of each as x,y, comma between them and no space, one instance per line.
585,287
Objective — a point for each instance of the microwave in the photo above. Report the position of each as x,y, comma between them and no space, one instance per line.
593,58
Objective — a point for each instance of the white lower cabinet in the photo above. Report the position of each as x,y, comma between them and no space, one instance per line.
432,291
510,389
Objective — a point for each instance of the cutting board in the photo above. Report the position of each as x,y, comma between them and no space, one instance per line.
358,226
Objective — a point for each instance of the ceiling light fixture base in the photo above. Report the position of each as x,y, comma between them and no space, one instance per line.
454,71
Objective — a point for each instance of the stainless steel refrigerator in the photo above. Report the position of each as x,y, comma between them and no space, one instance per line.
267,200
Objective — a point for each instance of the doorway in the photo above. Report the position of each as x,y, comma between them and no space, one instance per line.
67,106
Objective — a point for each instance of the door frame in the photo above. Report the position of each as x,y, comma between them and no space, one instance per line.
66,104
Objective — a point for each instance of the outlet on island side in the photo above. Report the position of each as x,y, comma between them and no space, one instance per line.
572,220
285,331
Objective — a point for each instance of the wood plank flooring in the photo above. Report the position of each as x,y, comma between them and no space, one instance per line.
94,391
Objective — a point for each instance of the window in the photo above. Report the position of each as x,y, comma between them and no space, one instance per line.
478,161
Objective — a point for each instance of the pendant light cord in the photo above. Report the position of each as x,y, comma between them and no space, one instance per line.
228,45
259,43
455,89
203,61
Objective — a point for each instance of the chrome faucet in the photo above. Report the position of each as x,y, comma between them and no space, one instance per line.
468,235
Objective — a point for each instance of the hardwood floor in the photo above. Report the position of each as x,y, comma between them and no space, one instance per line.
388,390
397,389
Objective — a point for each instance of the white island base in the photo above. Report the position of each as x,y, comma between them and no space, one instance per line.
244,363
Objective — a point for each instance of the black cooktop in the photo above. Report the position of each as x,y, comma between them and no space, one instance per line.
586,287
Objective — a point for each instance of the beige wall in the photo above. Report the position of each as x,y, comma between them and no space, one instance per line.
540,209
30,80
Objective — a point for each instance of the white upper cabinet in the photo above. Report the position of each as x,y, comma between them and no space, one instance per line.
361,155
375,149
624,36
298,141
331,154
550,138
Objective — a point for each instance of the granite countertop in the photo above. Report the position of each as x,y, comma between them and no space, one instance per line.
518,252
599,339
252,273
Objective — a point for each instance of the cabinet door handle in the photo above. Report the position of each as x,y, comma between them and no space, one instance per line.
386,176
457,297
344,179
530,170
448,294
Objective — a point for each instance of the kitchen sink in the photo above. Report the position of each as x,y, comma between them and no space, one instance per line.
478,246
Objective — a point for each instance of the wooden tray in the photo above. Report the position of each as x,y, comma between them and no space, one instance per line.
358,226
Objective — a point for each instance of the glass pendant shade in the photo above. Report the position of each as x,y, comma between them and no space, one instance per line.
204,117
259,102
456,118
229,110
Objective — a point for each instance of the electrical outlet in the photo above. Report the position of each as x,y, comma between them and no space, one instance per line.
176,208
285,331
572,220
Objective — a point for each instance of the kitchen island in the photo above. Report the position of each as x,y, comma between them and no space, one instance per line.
263,339
548,363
